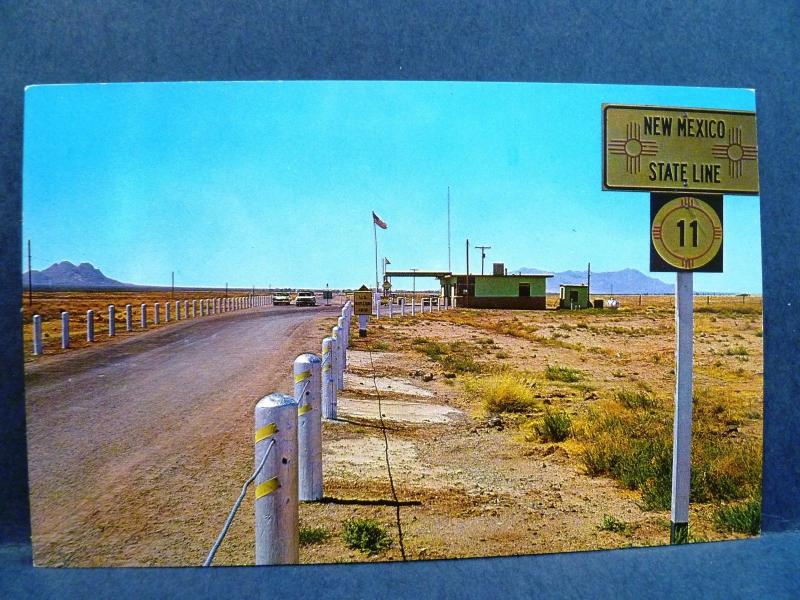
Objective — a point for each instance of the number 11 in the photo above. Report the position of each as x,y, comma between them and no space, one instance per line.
682,227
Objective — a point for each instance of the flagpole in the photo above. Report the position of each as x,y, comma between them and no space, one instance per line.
375,234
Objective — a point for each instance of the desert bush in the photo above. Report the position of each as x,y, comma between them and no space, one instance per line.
741,518
559,373
635,399
365,535
503,392
455,357
610,523
313,535
554,427
736,351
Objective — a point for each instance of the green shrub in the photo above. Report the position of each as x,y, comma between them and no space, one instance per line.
635,399
554,427
313,535
365,535
610,523
736,351
741,518
559,373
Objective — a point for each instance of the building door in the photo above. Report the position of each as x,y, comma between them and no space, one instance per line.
573,298
524,290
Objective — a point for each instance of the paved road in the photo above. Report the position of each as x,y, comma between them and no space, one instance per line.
138,448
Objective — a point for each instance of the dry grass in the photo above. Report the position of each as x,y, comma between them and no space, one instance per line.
503,393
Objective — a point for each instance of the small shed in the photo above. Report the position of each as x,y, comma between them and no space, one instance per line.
574,295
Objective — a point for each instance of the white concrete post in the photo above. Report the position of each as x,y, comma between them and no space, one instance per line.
177,310
340,323
128,318
682,426
339,337
391,308
328,383
377,306
37,335
307,392
402,307
89,325
185,309
362,325
166,312
156,313
194,309
112,321
413,306
276,507
64,330
144,316
438,305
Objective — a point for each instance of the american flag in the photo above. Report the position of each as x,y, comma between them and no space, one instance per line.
377,220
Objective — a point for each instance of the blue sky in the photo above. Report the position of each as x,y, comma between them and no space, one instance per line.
272,183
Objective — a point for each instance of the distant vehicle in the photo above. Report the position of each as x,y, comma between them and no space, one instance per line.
281,298
305,298
430,301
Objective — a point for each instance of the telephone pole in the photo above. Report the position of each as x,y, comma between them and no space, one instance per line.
449,267
483,250
30,277
172,292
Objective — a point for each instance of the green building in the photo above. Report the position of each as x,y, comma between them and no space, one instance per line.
574,295
499,290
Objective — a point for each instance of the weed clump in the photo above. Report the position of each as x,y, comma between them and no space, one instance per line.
365,535
559,373
610,523
313,535
554,427
635,399
503,393
455,357
740,518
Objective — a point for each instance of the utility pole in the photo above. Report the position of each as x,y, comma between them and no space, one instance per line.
588,283
30,277
449,267
483,250
466,289
226,289
413,284
172,293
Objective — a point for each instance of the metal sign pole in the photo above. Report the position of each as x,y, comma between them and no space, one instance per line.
682,428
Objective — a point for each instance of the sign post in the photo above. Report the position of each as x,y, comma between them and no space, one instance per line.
362,306
686,158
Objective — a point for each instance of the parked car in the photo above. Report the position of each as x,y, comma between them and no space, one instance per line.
430,301
305,298
281,298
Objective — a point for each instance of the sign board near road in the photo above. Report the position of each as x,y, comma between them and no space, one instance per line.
685,233
362,301
653,148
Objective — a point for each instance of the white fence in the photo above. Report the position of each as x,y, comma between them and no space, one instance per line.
199,308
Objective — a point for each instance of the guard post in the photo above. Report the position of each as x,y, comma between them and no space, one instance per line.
362,306
276,507
328,383
112,321
307,394
37,335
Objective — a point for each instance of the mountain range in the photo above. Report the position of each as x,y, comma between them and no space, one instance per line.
65,274
626,281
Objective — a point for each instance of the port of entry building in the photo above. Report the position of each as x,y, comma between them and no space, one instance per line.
499,290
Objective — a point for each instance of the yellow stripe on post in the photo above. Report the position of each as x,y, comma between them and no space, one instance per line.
304,409
302,376
266,431
267,487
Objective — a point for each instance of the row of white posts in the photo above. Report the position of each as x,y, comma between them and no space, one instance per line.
392,308
288,441
199,308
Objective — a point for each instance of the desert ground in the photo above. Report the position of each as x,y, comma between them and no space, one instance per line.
508,432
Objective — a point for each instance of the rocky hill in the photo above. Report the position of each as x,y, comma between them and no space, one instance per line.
66,274
626,281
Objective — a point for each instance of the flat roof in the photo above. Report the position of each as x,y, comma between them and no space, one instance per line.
574,285
449,274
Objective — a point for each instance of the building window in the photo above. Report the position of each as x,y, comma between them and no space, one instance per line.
524,290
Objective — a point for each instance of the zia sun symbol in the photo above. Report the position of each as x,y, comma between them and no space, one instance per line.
633,147
735,152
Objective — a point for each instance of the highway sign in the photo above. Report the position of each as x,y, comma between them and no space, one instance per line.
387,286
362,301
652,148
685,233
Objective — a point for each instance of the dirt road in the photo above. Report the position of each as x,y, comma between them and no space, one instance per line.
135,446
